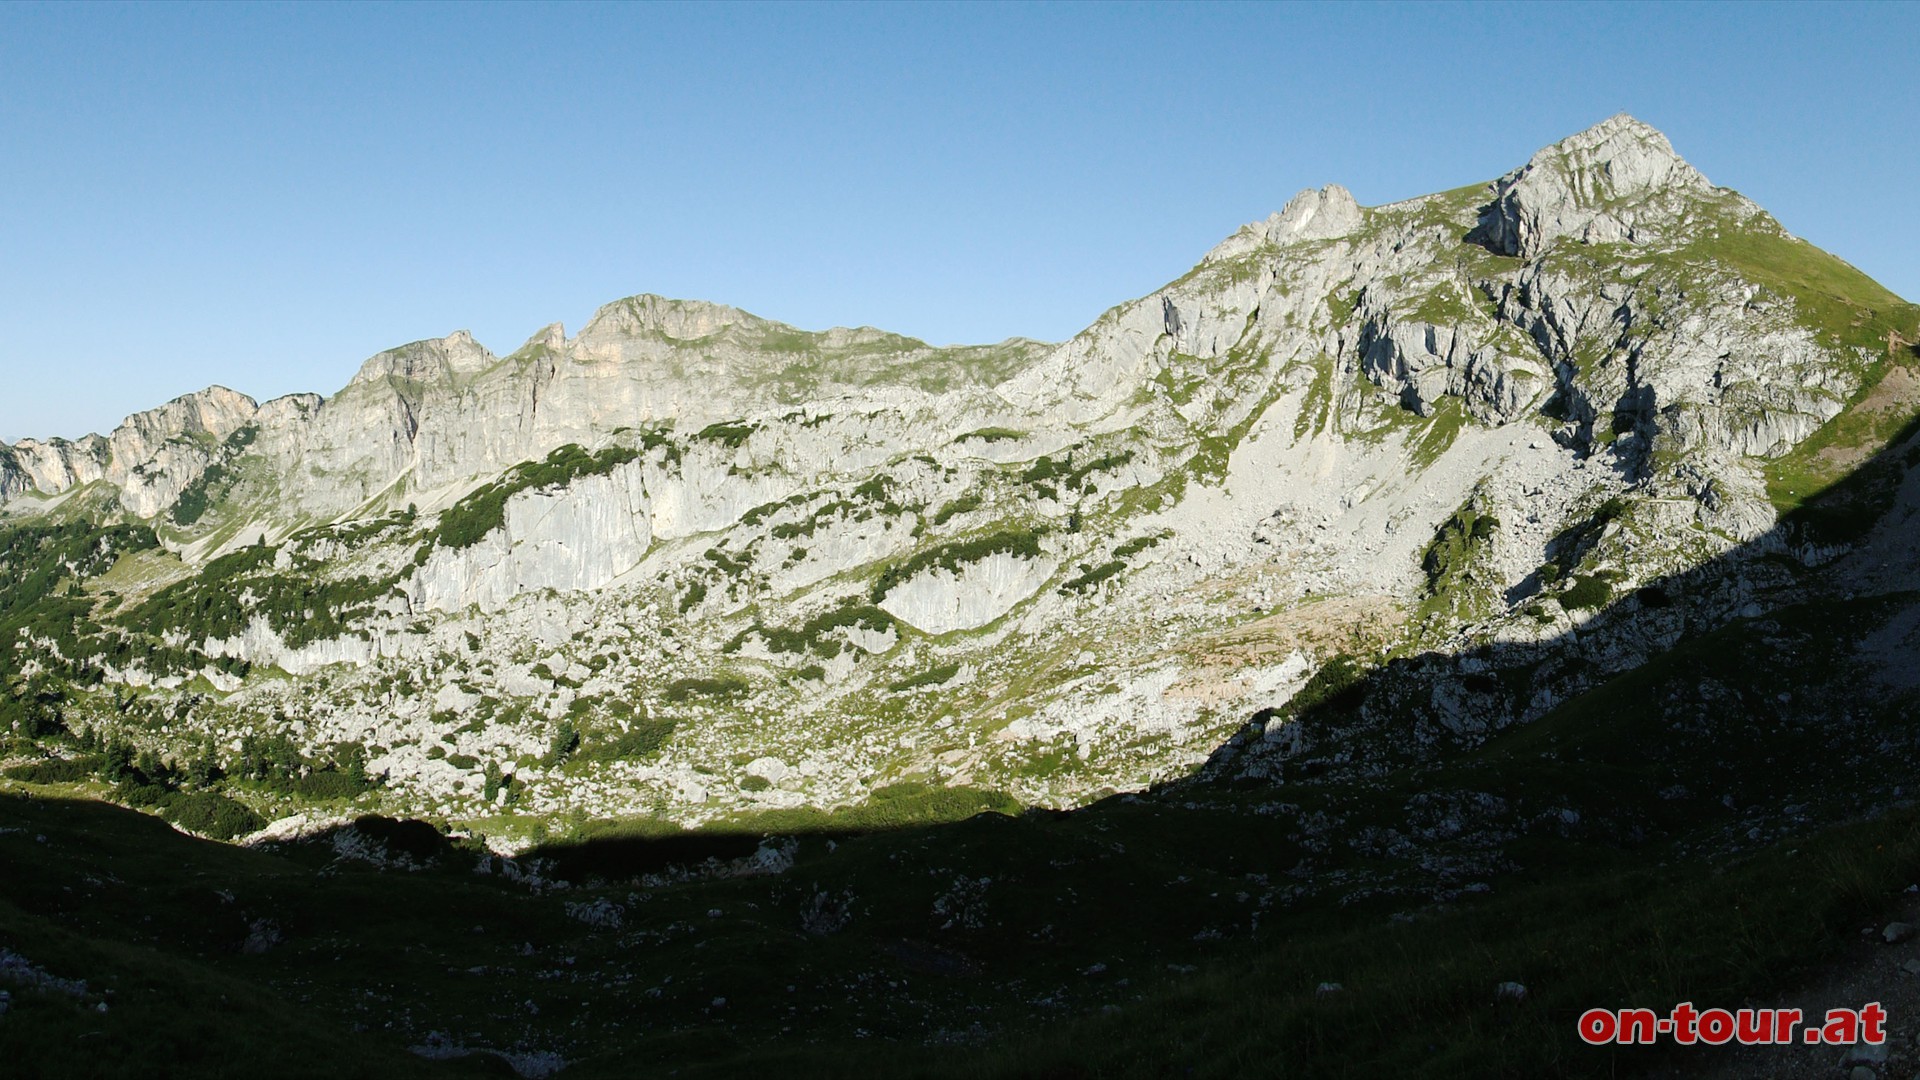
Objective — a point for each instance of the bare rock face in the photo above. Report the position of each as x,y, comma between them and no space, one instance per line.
1326,214
51,467
1617,181
155,455
572,540
616,325
152,457
940,601
439,361
1426,361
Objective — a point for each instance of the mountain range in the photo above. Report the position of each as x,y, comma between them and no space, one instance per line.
1363,501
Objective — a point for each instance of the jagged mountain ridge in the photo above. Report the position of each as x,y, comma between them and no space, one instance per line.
1047,569
445,411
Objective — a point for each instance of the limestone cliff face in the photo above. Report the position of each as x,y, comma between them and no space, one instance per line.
52,467
444,413
1587,294
434,414
1429,361
587,534
151,457
574,540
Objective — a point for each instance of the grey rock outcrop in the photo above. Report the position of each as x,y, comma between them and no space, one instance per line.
151,458
1327,213
1423,361
1617,181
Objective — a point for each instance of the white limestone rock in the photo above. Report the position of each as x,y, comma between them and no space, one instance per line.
1617,181
939,601
1327,213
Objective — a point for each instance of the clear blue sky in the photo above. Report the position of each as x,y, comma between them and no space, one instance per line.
263,196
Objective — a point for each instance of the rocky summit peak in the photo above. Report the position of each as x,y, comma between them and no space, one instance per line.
681,320
1315,214
216,410
1326,213
550,336
1621,155
429,360
1615,181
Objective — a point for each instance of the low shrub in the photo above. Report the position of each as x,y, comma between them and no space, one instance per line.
210,814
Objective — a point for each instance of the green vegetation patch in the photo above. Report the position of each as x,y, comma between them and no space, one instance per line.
44,569
722,687
799,530
730,566
816,635
57,770
1049,474
965,504
1838,302
1455,544
1022,543
729,434
1091,576
1339,685
696,592
993,435
1836,484
896,806
1589,592
1449,418
229,592
1567,551
212,814
610,729
1453,584
937,675
1450,303
643,739
355,534
1342,308
766,510
1316,406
